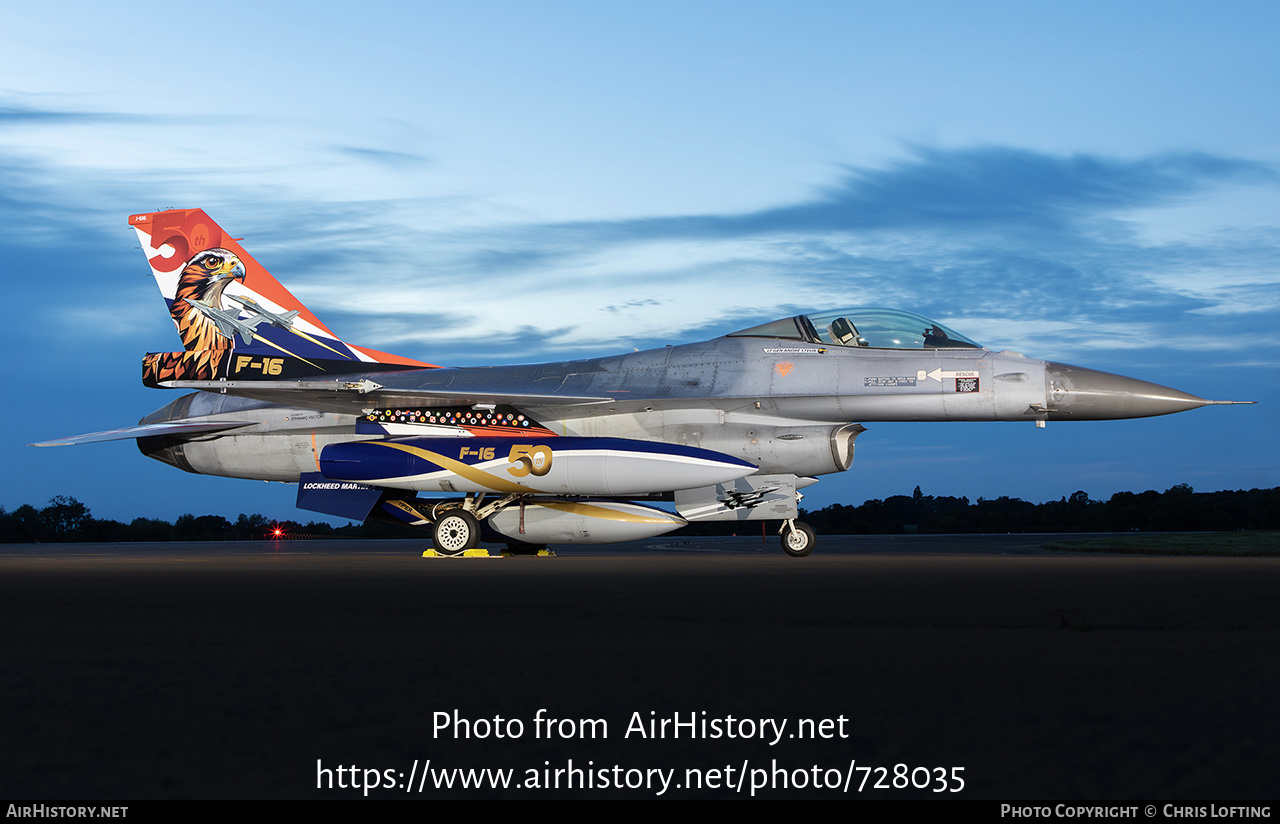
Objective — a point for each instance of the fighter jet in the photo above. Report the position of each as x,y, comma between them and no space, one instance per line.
229,323
576,452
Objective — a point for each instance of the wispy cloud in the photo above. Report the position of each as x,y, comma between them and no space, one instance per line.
1005,190
1013,247
383,157
1037,249
15,115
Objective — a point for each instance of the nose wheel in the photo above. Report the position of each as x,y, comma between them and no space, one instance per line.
798,538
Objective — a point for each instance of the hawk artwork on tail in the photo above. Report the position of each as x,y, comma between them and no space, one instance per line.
205,277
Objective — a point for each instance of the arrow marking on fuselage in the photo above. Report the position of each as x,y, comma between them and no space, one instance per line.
938,374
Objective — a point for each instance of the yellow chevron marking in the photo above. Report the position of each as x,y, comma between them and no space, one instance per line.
282,349
319,343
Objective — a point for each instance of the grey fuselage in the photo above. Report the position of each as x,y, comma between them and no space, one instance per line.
788,406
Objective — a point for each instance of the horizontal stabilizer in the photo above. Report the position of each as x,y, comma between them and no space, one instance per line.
148,430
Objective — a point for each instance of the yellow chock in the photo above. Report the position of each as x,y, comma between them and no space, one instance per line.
468,553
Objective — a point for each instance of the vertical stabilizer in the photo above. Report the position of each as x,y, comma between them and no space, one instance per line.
222,300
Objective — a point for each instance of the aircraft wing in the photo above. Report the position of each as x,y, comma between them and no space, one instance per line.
350,397
148,430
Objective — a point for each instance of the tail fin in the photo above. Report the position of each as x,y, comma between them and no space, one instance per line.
221,299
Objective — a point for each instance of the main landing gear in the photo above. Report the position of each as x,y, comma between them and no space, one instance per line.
457,525
456,531
798,538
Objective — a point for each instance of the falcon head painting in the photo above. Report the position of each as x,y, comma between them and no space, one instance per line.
205,277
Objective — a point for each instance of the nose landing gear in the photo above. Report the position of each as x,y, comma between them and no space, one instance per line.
798,538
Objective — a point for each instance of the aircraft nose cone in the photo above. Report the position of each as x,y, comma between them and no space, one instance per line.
1078,394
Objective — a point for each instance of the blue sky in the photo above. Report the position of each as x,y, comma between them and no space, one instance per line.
1093,183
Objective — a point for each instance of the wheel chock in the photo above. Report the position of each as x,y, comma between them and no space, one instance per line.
468,553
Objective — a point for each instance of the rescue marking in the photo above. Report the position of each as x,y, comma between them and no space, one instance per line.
938,374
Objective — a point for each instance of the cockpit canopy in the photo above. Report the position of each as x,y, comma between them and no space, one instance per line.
864,326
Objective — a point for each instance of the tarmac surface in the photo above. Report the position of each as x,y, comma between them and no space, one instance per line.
260,670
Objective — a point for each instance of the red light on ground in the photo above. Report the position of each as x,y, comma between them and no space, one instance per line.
278,532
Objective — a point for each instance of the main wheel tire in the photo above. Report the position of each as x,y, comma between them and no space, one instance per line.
456,532
798,539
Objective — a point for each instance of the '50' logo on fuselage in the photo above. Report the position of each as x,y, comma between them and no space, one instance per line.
528,458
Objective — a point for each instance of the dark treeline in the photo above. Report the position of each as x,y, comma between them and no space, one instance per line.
68,520
1178,509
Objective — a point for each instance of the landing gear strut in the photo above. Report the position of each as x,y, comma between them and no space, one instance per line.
798,538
